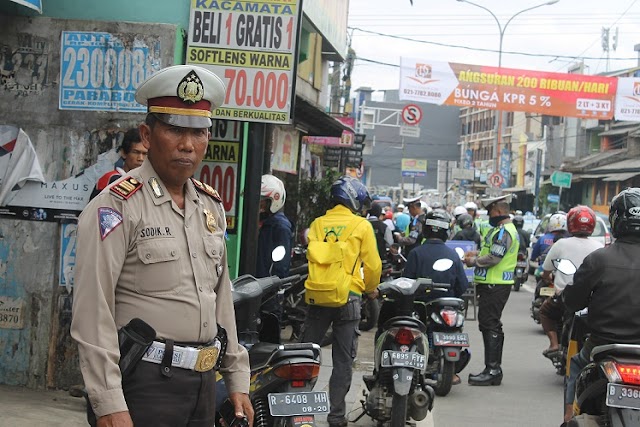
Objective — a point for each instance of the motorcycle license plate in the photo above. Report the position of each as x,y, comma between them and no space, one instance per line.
392,358
298,403
547,292
458,339
522,264
623,396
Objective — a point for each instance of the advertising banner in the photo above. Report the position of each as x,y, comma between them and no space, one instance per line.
628,99
414,167
251,46
101,71
67,254
31,4
286,142
507,89
220,167
346,140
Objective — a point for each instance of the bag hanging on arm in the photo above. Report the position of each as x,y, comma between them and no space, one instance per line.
328,282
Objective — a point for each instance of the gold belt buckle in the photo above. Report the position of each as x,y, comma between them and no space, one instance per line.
207,358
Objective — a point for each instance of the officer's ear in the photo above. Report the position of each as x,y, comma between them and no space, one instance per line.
145,135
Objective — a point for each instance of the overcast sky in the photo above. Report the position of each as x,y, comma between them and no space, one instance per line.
570,28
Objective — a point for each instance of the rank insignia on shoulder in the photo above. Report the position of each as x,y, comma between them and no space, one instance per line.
206,188
126,187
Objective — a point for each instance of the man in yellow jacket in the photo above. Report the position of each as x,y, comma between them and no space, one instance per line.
349,197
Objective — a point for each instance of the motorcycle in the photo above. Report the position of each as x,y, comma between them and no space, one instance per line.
399,387
448,353
543,291
282,375
521,272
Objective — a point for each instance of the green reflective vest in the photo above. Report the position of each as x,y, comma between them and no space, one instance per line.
483,227
502,273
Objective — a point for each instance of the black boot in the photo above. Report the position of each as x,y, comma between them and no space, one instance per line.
492,374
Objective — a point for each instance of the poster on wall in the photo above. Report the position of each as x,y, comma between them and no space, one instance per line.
252,47
507,89
221,167
286,143
101,71
67,254
24,192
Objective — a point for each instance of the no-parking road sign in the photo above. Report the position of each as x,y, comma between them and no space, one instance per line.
411,114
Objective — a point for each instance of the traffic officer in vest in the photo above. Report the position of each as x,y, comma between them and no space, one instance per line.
494,267
413,235
151,257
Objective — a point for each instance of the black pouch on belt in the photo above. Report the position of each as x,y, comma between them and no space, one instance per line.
134,339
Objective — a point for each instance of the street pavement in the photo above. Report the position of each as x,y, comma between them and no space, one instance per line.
530,394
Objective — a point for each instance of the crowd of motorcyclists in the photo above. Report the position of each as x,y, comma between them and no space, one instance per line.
416,231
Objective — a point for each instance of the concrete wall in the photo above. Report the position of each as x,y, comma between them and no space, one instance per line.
66,142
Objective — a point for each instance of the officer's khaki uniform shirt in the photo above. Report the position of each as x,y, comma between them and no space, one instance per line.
160,264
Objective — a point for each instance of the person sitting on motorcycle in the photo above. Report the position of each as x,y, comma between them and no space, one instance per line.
581,221
607,283
556,229
457,211
435,230
524,235
467,230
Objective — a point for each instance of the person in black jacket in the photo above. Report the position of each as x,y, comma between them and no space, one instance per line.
384,237
467,231
607,284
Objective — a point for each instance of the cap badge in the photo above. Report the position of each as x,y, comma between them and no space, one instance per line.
190,88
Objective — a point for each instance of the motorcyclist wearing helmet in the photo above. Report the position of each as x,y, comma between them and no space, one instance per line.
457,211
581,221
275,228
523,235
607,283
349,197
481,225
401,218
556,229
467,231
413,234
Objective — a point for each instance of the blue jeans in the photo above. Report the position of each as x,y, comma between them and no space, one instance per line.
578,362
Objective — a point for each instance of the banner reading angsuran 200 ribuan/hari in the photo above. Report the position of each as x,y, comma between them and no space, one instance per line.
507,89
251,46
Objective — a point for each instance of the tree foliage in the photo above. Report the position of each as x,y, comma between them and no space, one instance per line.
313,197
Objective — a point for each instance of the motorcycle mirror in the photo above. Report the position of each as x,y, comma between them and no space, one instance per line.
278,253
442,264
460,252
564,266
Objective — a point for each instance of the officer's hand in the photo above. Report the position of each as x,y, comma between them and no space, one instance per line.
118,419
242,406
396,236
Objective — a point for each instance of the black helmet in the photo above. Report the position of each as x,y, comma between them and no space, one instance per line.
351,193
436,225
465,221
518,221
624,213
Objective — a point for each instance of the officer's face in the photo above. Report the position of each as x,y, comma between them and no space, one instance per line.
174,152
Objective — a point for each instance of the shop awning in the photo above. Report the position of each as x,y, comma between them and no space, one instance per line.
620,176
513,189
317,121
618,131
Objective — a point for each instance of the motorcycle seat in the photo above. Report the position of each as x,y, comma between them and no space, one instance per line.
260,353
609,350
264,353
405,321
448,301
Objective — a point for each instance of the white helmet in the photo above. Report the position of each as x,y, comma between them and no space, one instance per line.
400,206
272,188
459,210
471,205
557,222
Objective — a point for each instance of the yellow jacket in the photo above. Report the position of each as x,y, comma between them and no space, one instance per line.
361,243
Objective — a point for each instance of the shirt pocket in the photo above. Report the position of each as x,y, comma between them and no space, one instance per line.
159,269
214,248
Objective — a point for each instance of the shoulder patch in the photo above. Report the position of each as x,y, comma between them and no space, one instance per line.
126,187
207,189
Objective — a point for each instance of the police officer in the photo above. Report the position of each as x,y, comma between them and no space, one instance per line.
152,247
413,234
349,197
494,267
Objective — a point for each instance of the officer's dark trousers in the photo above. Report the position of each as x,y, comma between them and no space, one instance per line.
187,398
344,321
491,302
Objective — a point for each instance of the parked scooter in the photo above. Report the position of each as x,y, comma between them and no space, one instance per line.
399,388
282,375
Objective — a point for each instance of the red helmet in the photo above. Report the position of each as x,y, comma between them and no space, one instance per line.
581,220
388,215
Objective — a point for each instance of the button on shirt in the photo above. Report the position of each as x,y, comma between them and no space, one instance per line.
160,263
